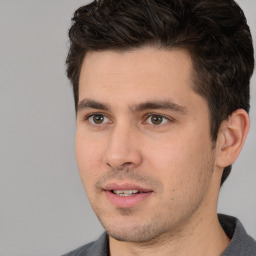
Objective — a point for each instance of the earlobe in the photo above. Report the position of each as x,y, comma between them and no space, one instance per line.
231,137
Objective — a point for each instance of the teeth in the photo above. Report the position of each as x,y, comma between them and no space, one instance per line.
125,192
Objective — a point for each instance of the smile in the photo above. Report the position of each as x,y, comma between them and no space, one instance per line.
126,192
126,195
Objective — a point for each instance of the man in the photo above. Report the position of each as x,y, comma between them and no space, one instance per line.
162,98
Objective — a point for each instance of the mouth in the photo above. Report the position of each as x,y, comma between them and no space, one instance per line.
126,192
126,195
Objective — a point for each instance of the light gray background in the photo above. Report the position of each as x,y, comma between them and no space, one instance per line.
43,208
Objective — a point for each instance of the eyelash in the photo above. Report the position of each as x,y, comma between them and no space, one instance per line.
167,119
147,116
87,117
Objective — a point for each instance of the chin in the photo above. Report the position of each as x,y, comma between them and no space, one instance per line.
140,235
135,232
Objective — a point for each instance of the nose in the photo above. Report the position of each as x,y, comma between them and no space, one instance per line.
123,148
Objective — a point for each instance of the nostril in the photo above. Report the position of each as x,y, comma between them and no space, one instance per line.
126,165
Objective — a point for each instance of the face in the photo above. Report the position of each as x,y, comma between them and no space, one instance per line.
143,143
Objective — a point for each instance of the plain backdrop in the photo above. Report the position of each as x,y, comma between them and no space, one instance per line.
43,208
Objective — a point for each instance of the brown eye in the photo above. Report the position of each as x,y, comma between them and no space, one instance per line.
97,119
156,119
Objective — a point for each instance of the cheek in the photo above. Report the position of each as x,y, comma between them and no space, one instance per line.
185,169
180,159
88,156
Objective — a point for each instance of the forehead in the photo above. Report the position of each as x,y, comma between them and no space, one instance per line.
142,73
144,60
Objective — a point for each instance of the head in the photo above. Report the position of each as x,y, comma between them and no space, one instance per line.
214,33
162,93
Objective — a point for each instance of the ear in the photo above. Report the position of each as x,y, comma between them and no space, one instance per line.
231,138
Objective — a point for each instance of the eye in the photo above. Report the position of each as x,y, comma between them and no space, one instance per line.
98,119
156,119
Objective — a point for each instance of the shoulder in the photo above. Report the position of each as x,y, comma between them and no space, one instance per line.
83,250
241,243
96,248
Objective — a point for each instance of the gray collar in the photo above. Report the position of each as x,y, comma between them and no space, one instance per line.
241,243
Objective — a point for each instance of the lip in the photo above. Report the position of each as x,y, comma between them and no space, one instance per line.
126,186
126,201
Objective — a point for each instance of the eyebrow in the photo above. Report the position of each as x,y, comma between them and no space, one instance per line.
87,103
165,104
155,104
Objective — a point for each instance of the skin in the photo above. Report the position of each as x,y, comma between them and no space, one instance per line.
118,141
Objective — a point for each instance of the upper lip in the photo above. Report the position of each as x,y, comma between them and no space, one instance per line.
125,186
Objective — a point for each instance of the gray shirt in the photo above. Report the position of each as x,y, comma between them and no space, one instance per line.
241,243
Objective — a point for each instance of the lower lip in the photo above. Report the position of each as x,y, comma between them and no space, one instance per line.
126,201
